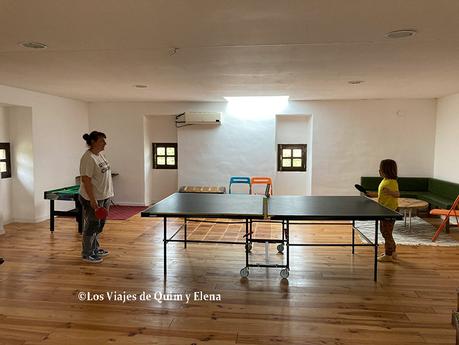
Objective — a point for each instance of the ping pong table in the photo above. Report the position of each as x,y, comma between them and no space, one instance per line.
248,209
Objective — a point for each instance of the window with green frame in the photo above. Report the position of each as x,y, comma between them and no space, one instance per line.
5,160
165,156
291,157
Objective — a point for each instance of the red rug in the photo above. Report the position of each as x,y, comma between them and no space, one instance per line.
119,212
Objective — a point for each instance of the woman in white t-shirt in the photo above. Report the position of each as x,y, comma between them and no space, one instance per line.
96,189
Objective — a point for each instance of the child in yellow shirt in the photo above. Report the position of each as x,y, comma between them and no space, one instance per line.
388,195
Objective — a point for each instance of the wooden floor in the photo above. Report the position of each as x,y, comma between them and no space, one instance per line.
330,297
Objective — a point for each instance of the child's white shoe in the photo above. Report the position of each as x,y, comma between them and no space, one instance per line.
385,258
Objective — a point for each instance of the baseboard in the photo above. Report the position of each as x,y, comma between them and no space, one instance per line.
121,203
35,220
20,220
41,219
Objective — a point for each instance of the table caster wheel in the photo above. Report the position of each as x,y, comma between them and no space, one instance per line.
284,273
245,272
280,248
248,247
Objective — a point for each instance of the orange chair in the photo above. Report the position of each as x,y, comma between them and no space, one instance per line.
262,180
452,212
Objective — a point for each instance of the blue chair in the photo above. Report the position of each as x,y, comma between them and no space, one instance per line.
240,180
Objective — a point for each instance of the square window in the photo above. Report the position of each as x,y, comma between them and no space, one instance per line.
170,151
291,157
296,163
165,156
286,162
161,151
286,153
297,153
5,161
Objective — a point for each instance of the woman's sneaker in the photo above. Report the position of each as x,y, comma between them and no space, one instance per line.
92,259
102,252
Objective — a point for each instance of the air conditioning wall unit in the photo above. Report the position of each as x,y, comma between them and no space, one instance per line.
201,118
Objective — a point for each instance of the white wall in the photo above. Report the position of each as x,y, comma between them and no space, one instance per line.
349,139
241,146
55,133
5,184
124,123
22,163
58,144
446,166
125,148
294,129
159,183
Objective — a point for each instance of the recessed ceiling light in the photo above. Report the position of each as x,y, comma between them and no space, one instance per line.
355,82
33,45
140,86
400,34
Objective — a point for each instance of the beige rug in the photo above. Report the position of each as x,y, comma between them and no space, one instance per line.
420,234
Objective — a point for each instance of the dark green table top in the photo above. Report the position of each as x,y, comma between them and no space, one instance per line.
66,193
276,207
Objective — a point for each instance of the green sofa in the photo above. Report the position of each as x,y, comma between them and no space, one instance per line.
438,193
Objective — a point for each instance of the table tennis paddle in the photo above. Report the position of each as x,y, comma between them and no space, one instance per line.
101,213
360,188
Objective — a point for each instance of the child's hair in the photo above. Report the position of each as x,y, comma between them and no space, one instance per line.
93,137
388,168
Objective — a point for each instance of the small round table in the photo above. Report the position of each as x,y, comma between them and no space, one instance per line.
409,204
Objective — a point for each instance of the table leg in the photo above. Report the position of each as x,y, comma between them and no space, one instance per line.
404,216
184,229
165,246
353,235
247,242
51,215
283,232
409,214
376,252
287,237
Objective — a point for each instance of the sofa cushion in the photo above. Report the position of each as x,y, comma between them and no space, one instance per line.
446,189
370,182
407,184
435,200
413,183
411,194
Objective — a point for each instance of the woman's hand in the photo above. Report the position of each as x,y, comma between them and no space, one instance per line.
94,204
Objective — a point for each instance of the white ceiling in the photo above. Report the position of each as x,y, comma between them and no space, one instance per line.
309,50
